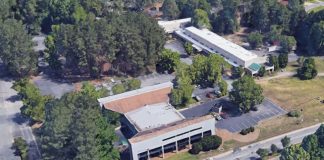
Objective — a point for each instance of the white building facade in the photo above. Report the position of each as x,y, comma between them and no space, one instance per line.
205,40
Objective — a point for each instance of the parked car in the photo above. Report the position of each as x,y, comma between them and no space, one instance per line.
218,117
198,98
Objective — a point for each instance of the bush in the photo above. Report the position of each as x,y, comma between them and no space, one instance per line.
262,152
118,88
247,131
21,148
274,148
133,84
294,113
189,49
210,143
196,148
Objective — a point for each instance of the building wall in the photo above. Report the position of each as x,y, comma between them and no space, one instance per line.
217,49
164,139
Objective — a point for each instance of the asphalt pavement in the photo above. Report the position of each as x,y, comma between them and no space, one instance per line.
249,152
236,121
12,124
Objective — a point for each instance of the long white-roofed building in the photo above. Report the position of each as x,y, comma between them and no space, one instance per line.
207,41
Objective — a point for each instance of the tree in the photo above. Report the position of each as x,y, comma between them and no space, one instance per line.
119,88
223,87
206,71
310,144
246,93
21,148
259,15
34,103
75,129
262,152
168,61
308,70
225,21
196,148
301,60
16,48
262,71
210,142
133,84
255,39
273,60
283,60
274,148
189,49
320,135
287,44
294,152
170,9
285,141
182,92
200,19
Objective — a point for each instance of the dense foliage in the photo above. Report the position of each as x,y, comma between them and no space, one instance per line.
34,103
246,93
206,144
74,128
308,70
168,61
130,43
21,148
126,85
16,48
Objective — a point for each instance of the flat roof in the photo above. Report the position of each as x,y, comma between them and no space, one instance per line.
171,26
153,116
221,42
168,128
132,100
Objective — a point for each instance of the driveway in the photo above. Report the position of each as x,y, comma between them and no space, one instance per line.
177,46
13,125
236,121
48,86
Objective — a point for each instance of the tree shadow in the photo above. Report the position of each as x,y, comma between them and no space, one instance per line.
14,98
20,119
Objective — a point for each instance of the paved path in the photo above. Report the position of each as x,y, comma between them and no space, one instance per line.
311,6
248,152
285,74
13,125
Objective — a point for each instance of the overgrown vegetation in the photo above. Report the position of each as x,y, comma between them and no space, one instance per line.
206,144
21,148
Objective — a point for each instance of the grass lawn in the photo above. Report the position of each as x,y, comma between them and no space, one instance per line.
293,94
293,66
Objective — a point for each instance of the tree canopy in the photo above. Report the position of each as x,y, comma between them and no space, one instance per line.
246,93
74,128
308,70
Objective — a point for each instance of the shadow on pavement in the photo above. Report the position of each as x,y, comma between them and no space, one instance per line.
20,119
14,98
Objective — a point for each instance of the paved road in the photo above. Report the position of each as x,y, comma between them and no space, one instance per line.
248,152
311,6
13,125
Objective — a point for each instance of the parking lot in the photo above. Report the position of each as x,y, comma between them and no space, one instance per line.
177,46
236,121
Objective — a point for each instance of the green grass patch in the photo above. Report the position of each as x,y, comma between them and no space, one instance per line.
293,66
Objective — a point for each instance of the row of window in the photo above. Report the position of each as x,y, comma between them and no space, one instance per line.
182,133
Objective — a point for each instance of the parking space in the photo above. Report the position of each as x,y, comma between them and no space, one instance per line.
236,121
265,111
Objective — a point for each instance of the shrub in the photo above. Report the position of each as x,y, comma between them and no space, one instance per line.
262,152
133,84
247,131
21,148
118,88
294,113
274,148
210,143
196,148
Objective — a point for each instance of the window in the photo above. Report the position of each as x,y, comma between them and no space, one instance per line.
182,133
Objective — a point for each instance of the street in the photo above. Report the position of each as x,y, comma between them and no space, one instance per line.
13,125
248,152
